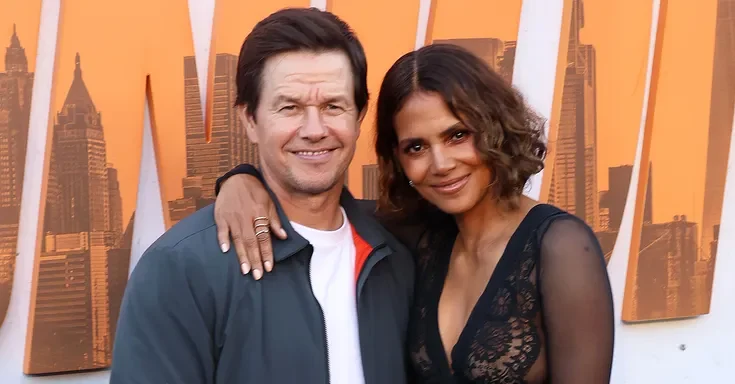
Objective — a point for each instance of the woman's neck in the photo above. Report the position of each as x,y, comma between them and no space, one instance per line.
486,223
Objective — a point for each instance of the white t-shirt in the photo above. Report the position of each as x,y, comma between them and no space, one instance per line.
332,272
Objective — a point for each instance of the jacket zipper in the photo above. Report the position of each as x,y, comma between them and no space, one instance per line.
324,321
381,251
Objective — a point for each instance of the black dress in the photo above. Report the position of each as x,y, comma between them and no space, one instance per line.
546,315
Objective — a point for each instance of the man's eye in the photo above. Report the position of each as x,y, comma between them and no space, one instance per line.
288,108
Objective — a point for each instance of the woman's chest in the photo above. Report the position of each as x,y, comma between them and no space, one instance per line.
499,339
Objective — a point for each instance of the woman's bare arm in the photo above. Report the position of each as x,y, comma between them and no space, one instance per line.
241,200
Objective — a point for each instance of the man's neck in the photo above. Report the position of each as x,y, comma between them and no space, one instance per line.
314,211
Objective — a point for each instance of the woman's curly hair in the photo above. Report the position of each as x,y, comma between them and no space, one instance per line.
508,134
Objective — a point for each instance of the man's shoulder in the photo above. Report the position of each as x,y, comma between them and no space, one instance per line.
197,226
189,243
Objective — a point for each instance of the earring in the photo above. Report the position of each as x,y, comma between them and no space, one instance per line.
410,182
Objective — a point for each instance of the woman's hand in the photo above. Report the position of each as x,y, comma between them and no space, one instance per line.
244,211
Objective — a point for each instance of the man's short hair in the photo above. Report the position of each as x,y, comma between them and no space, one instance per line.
294,30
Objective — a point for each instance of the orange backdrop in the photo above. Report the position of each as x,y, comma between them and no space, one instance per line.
110,53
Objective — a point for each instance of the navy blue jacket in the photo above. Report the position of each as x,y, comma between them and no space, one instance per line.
189,315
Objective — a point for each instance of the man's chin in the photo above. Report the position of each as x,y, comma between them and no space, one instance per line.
306,185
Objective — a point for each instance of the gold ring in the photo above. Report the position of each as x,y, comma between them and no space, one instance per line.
260,218
261,225
262,231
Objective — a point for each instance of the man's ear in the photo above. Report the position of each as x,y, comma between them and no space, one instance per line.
360,118
362,115
248,121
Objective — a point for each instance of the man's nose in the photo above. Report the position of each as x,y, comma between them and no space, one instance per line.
313,128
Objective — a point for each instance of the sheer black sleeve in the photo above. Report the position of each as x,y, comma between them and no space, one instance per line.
577,304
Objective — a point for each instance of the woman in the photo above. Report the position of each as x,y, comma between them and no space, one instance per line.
508,290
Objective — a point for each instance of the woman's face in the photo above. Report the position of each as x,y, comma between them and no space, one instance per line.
438,154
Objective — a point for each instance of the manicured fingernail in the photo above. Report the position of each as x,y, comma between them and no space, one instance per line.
245,268
283,232
268,266
257,274
224,247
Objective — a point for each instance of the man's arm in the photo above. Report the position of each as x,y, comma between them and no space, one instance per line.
164,334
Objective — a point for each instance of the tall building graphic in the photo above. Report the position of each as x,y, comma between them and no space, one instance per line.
676,259
16,84
499,55
574,173
666,267
229,145
80,164
115,207
613,200
720,122
118,263
82,241
370,182
722,109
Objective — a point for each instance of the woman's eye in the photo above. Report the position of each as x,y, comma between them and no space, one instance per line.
414,148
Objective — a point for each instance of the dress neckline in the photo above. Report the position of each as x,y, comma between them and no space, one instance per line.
461,348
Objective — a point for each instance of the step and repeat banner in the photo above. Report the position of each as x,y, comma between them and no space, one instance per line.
114,56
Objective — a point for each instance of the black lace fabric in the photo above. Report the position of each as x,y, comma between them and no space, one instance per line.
546,315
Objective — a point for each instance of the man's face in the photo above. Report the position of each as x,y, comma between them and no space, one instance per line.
306,124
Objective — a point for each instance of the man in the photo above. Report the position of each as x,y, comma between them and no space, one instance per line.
335,309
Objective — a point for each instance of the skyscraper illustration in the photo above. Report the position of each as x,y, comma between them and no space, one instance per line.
676,259
721,120
82,238
16,84
718,144
574,173
229,144
499,55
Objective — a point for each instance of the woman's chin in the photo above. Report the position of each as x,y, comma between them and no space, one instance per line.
454,207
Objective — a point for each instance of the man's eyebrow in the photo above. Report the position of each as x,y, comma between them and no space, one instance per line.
282,98
336,98
326,99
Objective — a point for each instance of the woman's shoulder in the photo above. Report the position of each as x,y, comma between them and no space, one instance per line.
547,224
562,232
555,221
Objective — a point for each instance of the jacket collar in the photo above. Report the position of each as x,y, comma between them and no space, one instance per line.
364,224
